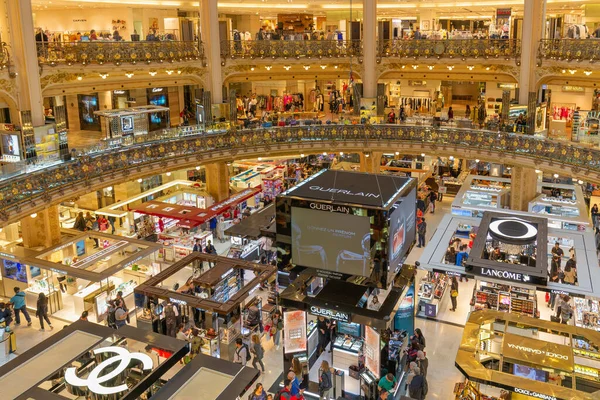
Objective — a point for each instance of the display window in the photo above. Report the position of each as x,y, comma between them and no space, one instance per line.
158,97
11,147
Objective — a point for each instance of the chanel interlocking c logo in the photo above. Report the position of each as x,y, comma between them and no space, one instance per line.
94,381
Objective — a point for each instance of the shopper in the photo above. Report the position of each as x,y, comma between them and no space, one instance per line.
432,198
413,370
496,255
450,114
79,222
332,334
325,382
566,311
323,331
241,354
453,292
422,362
418,386
42,311
295,388
210,248
286,392
258,351
422,231
298,371
383,395
387,383
121,315
259,393
84,316
5,315
276,328
557,250
594,210
450,256
196,343
468,112
18,302
197,246
462,255
570,272
418,336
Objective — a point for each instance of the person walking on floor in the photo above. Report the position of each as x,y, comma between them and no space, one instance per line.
325,384
432,198
453,292
42,311
240,356
422,231
323,331
258,351
18,302
276,328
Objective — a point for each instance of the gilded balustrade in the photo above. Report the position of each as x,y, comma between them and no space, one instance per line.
41,184
570,49
450,48
104,52
290,48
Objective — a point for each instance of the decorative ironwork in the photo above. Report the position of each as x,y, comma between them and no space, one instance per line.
290,48
569,49
450,48
100,52
167,145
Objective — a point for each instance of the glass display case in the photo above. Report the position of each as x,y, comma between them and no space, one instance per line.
230,331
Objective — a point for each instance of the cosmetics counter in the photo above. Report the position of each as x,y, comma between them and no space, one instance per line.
529,356
481,193
564,205
506,298
432,294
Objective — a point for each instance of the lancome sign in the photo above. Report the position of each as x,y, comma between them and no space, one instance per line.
332,314
513,276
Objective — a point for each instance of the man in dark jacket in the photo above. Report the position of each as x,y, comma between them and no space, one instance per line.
421,231
418,387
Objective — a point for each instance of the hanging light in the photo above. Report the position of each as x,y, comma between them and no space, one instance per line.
415,66
572,71
268,67
153,73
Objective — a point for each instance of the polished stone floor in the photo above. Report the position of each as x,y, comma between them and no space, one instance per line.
442,338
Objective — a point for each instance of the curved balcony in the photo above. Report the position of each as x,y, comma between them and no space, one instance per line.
105,52
451,48
570,49
290,49
24,194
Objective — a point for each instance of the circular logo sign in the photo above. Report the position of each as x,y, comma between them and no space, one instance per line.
513,229
94,381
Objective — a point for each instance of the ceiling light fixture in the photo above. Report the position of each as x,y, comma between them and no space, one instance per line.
580,182
487,68
198,168
422,154
287,67
129,74
169,71
323,66
397,153
79,77
555,175
471,67
259,158
268,67
306,67
450,67
572,71
168,174
341,153
153,73
139,180
415,66
587,73
33,215
103,76
251,68
477,160
430,67
302,155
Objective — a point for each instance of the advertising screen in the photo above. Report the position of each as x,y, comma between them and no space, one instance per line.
331,241
10,145
530,373
402,228
294,331
372,351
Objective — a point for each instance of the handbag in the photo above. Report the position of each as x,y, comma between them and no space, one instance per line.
454,293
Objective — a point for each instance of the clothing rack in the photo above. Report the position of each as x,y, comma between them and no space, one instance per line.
420,103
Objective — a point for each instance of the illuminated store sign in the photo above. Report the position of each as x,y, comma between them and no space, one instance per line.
513,228
332,314
157,90
534,394
330,208
343,191
538,352
94,381
513,276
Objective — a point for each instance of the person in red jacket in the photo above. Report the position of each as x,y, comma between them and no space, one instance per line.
285,393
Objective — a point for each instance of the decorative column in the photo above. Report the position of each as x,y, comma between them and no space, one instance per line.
217,180
523,187
209,28
24,56
369,46
43,230
533,24
370,162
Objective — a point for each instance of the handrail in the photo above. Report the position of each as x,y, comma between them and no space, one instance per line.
450,48
570,49
290,48
26,188
102,52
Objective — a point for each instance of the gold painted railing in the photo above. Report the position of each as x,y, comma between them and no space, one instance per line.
290,48
570,49
153,155
451,48
104,52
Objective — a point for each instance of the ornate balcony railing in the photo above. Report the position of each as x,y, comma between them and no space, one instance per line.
290,48
104,52
570,49
43,184
450,48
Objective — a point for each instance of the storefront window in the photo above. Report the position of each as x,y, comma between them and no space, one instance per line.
88,104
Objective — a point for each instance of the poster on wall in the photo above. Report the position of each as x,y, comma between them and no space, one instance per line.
294,331
127,124
372,351
405,316
10,145
88,105
402,228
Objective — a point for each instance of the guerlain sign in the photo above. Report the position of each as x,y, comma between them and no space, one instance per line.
332,314
343,191
330,208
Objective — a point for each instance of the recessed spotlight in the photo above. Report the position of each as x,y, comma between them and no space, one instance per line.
153,73
451,158
341,153
168,174
422,154
103,76
268,67
139,180
538,171
555,175
169,71
397,153
572,71
580,182
129,74
287,67
477,160
323,66
450,67
259,158
587,73
430,67
471,67
307,67
415,66
367,155
302,155
324,153
198,168
33,215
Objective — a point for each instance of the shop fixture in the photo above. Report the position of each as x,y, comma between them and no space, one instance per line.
530,357
82,273
253,234
222,294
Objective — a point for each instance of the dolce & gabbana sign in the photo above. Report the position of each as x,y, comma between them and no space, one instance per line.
331,314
